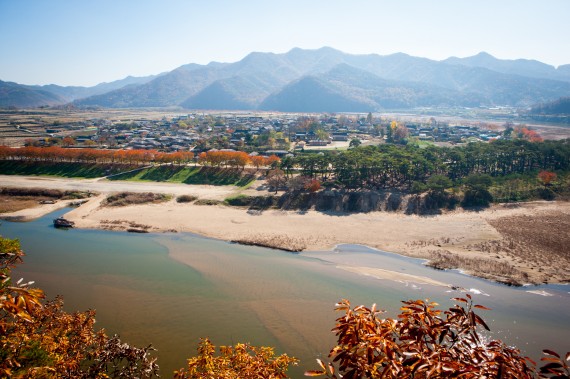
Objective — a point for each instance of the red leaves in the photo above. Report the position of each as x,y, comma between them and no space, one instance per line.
557,368
425,342
528,134
231,158
547,177
58,154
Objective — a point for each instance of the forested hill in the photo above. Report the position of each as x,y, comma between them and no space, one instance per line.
556,107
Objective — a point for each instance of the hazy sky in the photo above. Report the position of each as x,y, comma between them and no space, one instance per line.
85,42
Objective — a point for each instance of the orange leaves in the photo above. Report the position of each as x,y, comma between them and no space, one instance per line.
272,160
423,342
42,341
235,159
547,177
224,158
239,361
56,153
313,186
528,134
258,161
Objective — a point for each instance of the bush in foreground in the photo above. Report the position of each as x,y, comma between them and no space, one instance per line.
40,340
240,361
424,342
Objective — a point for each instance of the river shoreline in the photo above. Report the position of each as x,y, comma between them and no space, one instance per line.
522,243
479,242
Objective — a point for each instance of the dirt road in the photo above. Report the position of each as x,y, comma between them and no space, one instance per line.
107,186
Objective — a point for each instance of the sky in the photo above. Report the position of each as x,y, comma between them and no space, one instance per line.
86,42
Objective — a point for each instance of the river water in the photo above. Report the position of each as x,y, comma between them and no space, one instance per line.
172,289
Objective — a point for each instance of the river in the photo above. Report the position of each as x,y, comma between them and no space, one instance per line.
172,289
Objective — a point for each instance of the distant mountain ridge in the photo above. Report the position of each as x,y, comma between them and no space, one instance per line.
522,67
17,95
326,79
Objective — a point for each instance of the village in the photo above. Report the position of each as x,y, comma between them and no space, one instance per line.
268,134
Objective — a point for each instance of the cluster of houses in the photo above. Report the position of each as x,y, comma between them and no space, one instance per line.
250,132
442,132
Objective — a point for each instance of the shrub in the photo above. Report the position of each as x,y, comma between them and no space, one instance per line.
239,201
186,198
134,198
313,186
477,198
477,191
240,361
43,341
425,342
208,202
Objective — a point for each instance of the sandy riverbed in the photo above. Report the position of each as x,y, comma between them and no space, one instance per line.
528,242
473,235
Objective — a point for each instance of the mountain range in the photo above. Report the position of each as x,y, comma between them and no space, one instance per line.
322,80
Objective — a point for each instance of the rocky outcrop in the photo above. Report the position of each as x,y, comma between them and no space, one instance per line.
358,201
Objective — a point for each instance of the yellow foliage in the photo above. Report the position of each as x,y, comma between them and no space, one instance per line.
241,361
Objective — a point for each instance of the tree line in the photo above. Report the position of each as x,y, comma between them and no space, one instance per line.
58,154
235,159
393,166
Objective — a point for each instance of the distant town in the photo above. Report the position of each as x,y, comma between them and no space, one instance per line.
268,134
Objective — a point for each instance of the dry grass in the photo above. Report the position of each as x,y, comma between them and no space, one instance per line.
134,198
10,204
535,240
274,241
492,269
533,248
208,202
123,225
16,199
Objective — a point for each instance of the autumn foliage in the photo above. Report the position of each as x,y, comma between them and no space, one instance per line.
236,159
528,134
547,177
425,342
241,361
40,340
59,154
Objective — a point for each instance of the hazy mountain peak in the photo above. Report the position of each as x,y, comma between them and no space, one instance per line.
323,79
484,54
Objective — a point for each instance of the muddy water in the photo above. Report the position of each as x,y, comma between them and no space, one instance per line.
172,289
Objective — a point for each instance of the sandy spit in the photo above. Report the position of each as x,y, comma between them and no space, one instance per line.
465,233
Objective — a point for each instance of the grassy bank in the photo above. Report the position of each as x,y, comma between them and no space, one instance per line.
166,173
191,175
62,169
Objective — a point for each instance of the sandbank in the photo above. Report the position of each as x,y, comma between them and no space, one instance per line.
527,241
461,233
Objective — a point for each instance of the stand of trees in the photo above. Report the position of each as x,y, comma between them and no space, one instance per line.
391,166
235,159
143,157
59,154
